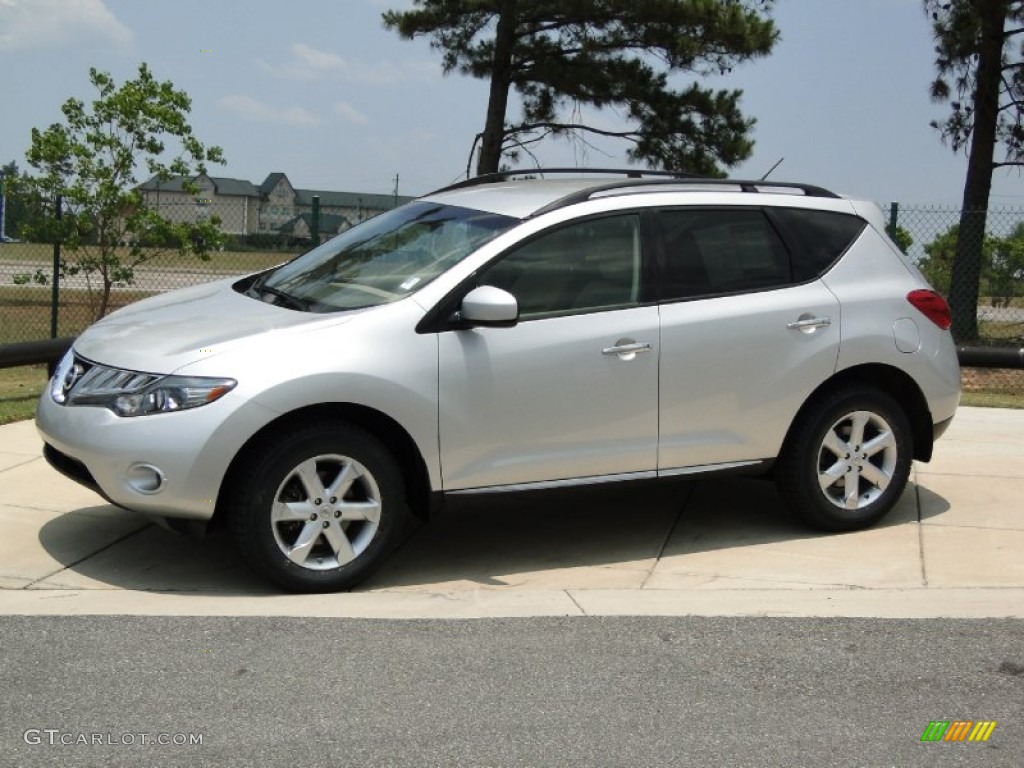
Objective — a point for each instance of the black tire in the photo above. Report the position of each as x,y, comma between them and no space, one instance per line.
313,528
857,497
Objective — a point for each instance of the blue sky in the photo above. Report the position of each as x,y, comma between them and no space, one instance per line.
320,90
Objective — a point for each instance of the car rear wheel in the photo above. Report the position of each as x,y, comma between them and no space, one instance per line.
319,510
847,459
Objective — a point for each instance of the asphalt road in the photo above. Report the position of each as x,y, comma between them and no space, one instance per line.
522,692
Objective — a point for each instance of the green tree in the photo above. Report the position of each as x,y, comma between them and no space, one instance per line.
15,207
979,58
1006,268
901,237
562,55
940,254
937,263
91,160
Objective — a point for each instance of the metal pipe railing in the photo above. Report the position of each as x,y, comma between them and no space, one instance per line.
47,351
991,357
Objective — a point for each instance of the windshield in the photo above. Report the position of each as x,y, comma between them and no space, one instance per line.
383,259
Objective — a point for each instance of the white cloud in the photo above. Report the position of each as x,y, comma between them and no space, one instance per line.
249,108
308,63
33,24
350,114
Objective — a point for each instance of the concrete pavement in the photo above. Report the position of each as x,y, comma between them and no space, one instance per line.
954,546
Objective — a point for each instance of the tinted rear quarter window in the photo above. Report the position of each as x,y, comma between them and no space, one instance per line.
819,238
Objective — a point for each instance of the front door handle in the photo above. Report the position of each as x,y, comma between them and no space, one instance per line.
808,323
627,349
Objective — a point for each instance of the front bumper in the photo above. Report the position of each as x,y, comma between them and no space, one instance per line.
168,465
72,469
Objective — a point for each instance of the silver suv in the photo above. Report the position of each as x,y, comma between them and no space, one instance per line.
507,334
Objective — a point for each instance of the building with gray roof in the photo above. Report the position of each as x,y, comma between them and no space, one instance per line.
275,206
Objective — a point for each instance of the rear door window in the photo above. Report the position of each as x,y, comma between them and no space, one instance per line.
708,252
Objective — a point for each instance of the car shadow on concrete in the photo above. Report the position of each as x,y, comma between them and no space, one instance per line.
591,538
611,537
147,557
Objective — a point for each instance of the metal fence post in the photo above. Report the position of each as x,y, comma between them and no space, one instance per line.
314,224
55,282
894,215
3,205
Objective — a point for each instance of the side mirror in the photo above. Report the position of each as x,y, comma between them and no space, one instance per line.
489,307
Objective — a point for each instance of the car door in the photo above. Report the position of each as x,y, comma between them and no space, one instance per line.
743,343
569,392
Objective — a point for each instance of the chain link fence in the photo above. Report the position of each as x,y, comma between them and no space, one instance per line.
994,316
50,291
94,280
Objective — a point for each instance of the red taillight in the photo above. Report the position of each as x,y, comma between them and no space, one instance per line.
933,306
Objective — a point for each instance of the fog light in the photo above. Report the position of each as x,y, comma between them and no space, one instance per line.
144,478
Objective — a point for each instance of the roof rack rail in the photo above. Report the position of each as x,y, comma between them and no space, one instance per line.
745,186
632,173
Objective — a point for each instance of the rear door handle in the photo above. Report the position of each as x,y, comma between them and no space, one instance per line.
627,350
808,323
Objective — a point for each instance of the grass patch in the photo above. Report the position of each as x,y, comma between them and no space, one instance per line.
25,312
19,391
992,387
1015,301
25,309
990,400
994,332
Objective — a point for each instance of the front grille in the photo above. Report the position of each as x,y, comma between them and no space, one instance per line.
82,381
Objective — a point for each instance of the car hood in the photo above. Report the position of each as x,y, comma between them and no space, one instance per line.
165,332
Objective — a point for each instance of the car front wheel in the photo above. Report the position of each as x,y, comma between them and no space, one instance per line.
847,460
320,509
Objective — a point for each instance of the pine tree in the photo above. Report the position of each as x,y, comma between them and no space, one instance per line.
562,55
979,57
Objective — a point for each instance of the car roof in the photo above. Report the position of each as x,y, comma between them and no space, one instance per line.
521,199
501,194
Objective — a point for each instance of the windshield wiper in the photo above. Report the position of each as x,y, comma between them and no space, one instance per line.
293,301
254,287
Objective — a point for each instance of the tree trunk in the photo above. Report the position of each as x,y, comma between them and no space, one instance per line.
966,278
105,299
501,82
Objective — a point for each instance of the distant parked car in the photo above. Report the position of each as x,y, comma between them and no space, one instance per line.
502,335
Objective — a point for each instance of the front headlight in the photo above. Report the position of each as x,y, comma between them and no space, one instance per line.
130,393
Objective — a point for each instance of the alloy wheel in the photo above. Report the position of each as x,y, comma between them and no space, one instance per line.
326,512
857,460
